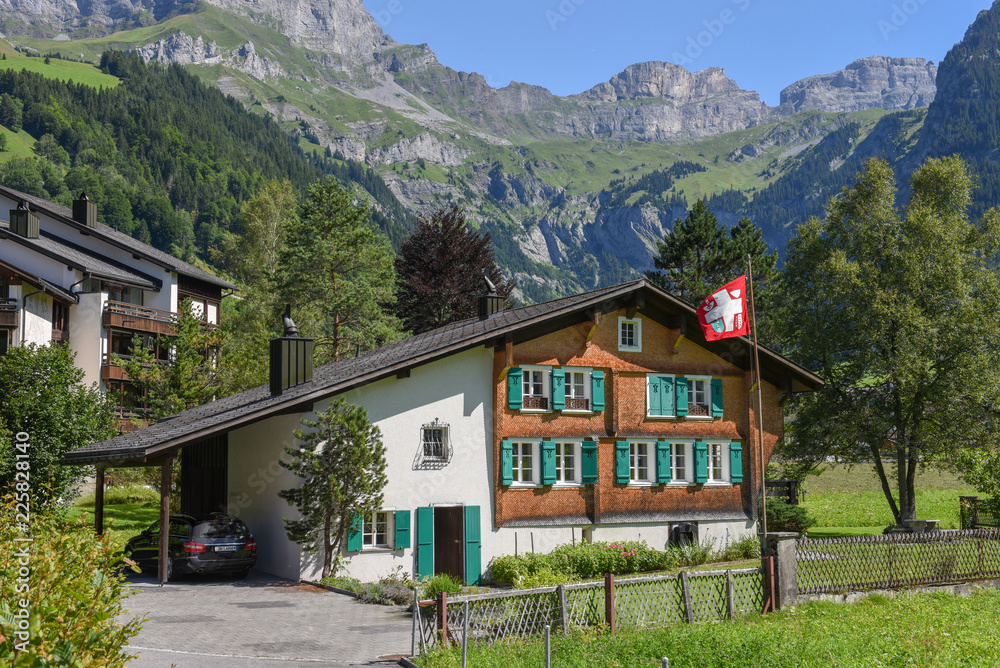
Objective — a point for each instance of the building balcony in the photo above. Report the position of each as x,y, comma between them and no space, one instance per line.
8,313
60,335
138,318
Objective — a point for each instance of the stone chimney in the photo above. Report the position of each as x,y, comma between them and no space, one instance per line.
291,358
85,211
491,303
23,222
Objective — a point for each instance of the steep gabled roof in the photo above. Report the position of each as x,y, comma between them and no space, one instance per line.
519,324
64,215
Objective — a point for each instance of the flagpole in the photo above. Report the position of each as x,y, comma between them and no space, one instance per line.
760,413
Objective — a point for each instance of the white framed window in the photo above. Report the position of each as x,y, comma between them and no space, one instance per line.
629,334
699,396
567,462
681,462
718,462
536,387
641,463
578,388
525,462
377,530
434,438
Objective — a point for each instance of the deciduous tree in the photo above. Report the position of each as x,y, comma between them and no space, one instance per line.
440,270
896,311
342,466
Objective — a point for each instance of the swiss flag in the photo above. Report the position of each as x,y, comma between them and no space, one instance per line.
723,314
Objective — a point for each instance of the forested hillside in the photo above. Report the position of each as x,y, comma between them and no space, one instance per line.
167,158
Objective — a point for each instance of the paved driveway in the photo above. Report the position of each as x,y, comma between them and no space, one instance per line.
260,622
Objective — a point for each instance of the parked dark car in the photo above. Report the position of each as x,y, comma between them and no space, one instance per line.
215,544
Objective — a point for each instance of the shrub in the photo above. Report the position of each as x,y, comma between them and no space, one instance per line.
691,554
440,582
121,495
74,596
747,547
782,516
583,560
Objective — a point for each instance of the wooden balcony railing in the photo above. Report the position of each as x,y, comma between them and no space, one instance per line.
138,318
8,313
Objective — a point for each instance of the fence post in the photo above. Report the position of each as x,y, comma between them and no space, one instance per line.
442,620
465,633
609,600
686,593
416,617
563,608
767,571
730,595
787,571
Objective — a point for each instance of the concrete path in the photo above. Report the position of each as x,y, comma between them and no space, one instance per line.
260,622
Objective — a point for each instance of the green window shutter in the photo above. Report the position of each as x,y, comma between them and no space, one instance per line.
401,537
681,393
506,463
735,463
558,389
655,396
548,462
473,546
667,394
700,462
716,397
588,465
354,534
425,542
662,462
597,390
514,389
621,462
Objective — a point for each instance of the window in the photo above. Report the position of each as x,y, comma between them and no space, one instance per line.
120,293
121,345
660,395
535,388
716,460
567,463
640,469
578,385
376,530
630,334
698,396
60,316
524,458
680,462
435,440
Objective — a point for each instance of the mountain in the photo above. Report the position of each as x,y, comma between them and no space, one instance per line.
576,190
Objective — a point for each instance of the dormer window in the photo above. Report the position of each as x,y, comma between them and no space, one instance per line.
630,335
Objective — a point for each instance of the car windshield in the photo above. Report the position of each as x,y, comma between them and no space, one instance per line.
222,529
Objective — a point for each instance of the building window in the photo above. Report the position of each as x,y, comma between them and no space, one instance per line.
524,458
123,344
435,440
578,385
630,334
60,318
121,293
660,396
640,469
699,396
535,388
376,530
716,462
680,462
567,463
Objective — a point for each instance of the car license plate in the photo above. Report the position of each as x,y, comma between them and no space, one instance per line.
226,548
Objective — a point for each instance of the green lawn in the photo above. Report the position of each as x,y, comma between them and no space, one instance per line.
928,630
121,521
65,70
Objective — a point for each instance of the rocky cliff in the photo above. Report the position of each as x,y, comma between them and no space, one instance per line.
868,83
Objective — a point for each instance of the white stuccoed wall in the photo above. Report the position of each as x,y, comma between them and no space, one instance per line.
36,317
86,336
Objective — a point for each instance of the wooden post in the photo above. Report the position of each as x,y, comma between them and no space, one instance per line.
686,592
730,595
563,607
609,600
443,617
165,474
767,568
99,502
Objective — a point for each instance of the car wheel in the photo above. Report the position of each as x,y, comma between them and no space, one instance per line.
170,569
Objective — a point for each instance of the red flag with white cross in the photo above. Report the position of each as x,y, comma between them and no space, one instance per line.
723,314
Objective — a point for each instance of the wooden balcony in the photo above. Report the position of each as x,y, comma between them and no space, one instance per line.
8,313
60,335
138,318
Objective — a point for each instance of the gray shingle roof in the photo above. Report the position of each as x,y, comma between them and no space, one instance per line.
253,405
65,215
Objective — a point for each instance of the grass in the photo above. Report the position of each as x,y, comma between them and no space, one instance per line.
927,630
64,70
121,521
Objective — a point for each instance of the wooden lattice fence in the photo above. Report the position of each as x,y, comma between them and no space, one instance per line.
894,561
638,602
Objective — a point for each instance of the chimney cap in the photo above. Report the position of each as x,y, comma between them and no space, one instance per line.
83,195
290,329
491,289
22,205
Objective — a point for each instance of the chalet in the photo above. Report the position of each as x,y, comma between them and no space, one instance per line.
601,416
68,278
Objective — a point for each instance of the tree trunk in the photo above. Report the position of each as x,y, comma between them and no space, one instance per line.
884,479
327,547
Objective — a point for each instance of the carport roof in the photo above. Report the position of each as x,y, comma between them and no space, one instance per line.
514,325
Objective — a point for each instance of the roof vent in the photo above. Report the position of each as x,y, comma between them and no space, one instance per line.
85,211
491,303
291,357
23,222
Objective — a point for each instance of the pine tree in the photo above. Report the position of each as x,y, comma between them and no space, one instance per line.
440,270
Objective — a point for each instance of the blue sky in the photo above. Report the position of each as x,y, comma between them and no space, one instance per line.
764,45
